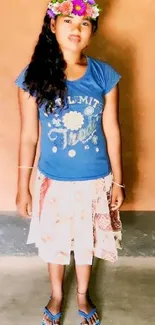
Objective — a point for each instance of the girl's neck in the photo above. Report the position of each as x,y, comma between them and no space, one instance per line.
72,58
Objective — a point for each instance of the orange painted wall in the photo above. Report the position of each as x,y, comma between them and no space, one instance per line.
126,40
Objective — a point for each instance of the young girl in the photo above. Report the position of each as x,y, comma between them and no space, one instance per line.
73,100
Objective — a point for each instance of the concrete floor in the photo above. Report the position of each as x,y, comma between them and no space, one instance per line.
124,292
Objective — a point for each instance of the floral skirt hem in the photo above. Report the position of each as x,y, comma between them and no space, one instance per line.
74,216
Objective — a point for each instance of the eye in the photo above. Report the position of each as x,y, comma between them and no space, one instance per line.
86,23
68,21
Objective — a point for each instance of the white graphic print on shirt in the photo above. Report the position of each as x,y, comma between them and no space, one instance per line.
73,127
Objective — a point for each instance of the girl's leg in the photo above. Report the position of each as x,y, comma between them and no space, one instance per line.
56,276
83,273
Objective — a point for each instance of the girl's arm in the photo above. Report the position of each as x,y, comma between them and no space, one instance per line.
112,132
27,150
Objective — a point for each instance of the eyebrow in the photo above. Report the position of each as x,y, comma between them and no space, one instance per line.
84,18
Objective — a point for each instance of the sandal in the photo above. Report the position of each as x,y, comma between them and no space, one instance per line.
52,318
92,315
89,316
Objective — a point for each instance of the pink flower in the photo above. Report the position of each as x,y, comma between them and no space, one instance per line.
89,10
66,7
79,7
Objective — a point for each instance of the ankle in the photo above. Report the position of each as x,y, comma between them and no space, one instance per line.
56,297
82,298
82,291
55,300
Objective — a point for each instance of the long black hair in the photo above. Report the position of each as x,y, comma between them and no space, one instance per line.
45,76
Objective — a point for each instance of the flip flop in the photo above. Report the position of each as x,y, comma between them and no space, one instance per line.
89,316
50,316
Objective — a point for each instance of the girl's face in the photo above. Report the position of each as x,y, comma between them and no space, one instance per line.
72,34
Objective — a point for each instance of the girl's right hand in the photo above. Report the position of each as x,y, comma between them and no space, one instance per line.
24,203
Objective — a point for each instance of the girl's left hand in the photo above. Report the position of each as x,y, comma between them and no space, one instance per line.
118,197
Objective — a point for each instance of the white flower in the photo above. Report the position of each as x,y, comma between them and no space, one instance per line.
72,153
54,149
89,111
73,120
96,12
50,5
54,7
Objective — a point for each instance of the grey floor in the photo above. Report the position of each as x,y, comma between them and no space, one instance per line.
124,292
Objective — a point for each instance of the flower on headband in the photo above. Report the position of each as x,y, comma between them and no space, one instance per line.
91,2
51,13
79,7
86,8
89,10
66,7
54,7
95,12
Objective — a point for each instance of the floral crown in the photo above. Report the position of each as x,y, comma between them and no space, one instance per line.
86,8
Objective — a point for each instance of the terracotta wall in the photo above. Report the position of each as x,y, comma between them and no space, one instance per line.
126,40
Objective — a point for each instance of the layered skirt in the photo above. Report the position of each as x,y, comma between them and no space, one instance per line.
74,216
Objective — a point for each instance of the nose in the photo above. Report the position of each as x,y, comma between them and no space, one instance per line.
76,29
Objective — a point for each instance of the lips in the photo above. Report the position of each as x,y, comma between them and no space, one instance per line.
75,38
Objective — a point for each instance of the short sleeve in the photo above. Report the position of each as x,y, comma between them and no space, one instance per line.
112,77
21,78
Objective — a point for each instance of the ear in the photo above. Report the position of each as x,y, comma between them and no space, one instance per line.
52,25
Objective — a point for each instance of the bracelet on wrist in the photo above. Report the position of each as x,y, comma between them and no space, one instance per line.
119,185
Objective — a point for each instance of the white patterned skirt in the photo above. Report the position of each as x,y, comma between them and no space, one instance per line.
74,216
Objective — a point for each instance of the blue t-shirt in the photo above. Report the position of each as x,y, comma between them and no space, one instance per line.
73,145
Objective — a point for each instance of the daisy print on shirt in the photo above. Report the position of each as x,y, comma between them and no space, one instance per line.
78,125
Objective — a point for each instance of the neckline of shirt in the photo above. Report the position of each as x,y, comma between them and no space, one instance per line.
84,75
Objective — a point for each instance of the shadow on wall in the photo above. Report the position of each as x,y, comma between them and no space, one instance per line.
117,49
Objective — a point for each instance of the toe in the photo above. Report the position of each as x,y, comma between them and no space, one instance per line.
95,318
46,321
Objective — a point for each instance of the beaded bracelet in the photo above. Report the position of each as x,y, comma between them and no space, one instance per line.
120,185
